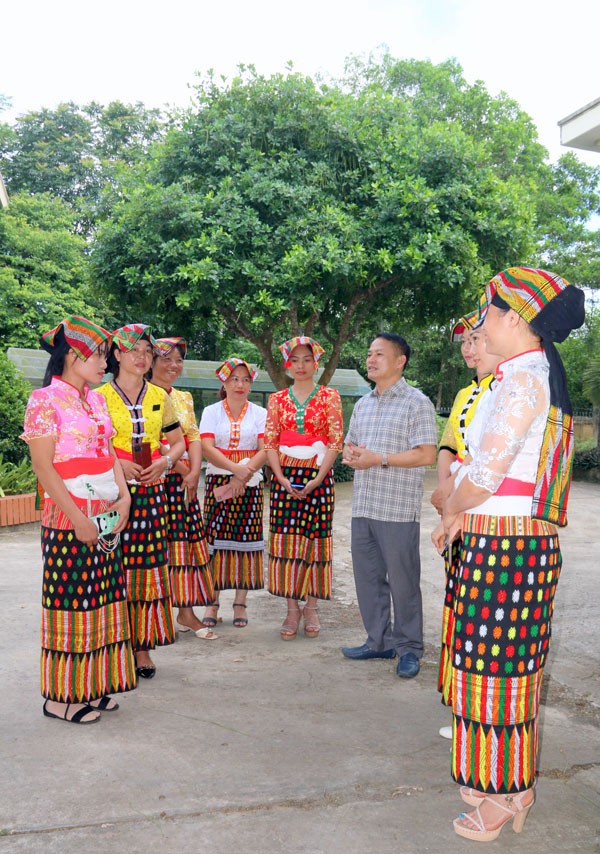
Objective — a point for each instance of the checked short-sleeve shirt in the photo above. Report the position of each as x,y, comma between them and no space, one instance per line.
397,420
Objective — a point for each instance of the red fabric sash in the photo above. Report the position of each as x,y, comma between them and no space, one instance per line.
291,438
512,486
84,465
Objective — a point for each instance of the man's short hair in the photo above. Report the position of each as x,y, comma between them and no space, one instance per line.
399,343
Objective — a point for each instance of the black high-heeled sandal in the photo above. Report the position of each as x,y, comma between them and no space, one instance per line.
211,622
239,622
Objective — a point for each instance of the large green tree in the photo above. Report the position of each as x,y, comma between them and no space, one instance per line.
277,206
73,152
43,269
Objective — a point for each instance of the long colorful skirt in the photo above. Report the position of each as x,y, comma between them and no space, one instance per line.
235,536
86,650
508,574
451,565
300,542
189,561
146,560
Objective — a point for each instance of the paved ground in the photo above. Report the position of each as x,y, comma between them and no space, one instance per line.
249,743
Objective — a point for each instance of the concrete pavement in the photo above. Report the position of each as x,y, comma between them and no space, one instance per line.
249,743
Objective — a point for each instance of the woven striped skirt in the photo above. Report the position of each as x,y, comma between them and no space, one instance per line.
451,564
189,561
86,651
146,561
503,611
300,541
235,536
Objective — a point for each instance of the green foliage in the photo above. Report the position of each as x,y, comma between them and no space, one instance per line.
580,355
342,473
43,270
587,464
16,478
14,394
73,152
568,196
277,206
591,380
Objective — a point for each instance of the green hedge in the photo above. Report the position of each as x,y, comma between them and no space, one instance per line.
14,393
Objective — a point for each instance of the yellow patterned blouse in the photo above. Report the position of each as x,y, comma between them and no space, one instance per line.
150,415
183,404
463,409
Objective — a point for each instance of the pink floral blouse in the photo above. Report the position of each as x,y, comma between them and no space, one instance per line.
81,427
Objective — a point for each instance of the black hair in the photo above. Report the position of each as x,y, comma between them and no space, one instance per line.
58,351
399,343
112,366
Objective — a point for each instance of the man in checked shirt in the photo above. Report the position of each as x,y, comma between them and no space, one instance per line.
391,438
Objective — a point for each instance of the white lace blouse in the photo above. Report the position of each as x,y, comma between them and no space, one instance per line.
506,433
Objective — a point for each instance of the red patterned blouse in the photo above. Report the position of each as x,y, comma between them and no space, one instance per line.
318,419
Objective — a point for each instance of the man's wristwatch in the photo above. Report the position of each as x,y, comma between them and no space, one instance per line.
384,461
169,464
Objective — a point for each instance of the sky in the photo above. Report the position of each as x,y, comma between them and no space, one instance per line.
544,55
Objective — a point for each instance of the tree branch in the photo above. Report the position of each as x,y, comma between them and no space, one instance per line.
310,323
263,343
357,305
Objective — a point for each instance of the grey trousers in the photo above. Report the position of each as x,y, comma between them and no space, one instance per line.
387,569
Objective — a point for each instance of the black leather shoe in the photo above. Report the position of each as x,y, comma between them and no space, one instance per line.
408,666
364,653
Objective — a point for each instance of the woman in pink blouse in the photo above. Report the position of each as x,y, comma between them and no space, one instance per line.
86,650
303,436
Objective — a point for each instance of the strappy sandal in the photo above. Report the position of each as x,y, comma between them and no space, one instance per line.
311,629
104,704
239,622
211,622
516,812
289,629
205,633
473,797
77,717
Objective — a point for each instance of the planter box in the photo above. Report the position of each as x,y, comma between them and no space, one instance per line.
18,510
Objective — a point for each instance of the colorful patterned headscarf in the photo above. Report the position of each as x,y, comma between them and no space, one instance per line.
299,341
553,308
126,337
542,299
468,321
82,336
229,365
163,346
